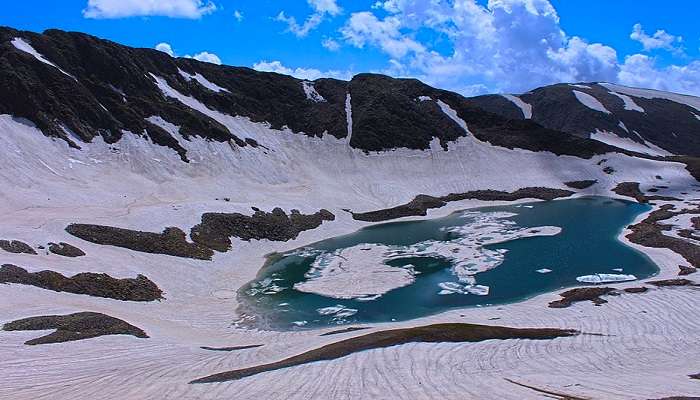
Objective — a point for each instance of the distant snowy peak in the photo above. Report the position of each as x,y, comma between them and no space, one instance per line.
647,121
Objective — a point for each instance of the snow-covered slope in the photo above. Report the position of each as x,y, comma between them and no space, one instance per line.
223,140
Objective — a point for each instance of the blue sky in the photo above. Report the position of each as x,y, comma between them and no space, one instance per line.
471,46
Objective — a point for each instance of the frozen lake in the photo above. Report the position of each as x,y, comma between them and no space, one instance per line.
476,257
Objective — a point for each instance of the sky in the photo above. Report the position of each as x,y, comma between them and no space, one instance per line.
469,46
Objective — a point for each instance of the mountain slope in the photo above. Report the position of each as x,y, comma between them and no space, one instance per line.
76,87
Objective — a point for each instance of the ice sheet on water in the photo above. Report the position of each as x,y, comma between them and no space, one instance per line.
606,278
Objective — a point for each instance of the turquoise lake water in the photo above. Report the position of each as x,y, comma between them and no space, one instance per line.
587,244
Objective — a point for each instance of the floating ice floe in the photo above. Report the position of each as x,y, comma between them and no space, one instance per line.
617,269
544,270
338,312
606,278
457,288
300,323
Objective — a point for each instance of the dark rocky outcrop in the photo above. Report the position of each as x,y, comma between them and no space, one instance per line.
583,294
649,233
92,284
686,270
673,283
214,232
78,326
581,184
216,229
65,249
641,289
438,333
15,246
421,203
631,189
172,241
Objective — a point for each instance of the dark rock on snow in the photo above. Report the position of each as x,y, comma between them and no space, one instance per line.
78,326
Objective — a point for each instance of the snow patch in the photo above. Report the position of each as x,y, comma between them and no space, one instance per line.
629,144
629,102
590,102
450,112
524,107
202,81
348,116
580,86
311,92
22,45
424,98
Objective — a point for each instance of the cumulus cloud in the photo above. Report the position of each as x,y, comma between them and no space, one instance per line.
659,40
365,28
106,9
640,70
238,15
321,8
499,46
204,56
165,48
301,73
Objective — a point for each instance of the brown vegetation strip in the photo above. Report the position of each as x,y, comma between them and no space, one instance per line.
15,246
346,330
583,294
216,229
421,203
172,241
452,333
98,285
549,393
581,184
78,326
232,348
213,233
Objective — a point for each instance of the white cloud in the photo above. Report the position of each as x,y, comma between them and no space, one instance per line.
204,56
325,6
301,73
365,28
330,44
659,40
321,8
502,46
165,48
640,70
238,15
192,9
